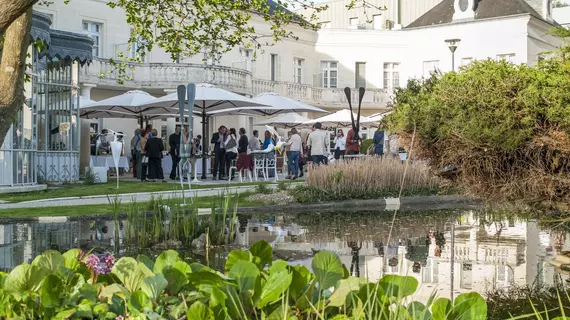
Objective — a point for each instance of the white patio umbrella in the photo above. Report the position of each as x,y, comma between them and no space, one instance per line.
340,118
94,114
284,104
285,121
374,120
130,103
208,99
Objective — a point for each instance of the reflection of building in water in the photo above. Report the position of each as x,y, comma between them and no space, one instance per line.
21,242
487,254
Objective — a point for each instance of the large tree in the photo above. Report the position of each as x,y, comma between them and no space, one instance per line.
180,27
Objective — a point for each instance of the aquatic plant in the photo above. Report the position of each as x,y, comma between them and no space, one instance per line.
253,286
168,222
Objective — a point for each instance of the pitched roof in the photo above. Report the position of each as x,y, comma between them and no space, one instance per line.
485,9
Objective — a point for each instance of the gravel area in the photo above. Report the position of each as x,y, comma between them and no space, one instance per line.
278,198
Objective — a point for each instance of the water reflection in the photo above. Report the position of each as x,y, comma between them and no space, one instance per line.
447,252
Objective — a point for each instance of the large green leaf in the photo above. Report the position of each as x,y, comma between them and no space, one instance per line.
199,311
276,285
108,292
470,306
175,278
49,260
327,268
245,274
154,286
206,277
128,271
395,286
441,309
71,259
24,277
418,311
343,288
51,291
146,260
140,301
235,256
167,258
183,267
263,251
301,278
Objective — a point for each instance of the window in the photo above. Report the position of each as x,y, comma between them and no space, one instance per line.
377,21
246,53
135,50
391,75
298,70
509,57
93,30
360,75
353,23
430,67
330,73
274,67
466,61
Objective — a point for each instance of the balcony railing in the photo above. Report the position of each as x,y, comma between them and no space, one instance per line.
321,96
167,75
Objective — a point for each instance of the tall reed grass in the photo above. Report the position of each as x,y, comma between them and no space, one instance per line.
371,178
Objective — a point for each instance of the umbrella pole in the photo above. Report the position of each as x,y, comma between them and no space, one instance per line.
205,143
141,121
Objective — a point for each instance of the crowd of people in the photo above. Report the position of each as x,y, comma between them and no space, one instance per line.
233,148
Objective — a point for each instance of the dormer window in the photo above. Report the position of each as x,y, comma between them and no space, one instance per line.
464,10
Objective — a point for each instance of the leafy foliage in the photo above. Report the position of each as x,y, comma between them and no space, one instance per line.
504,126
255,287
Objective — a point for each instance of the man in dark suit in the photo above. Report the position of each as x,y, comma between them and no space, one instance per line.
218,139
174,142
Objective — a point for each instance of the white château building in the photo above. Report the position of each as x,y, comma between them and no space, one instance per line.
366,47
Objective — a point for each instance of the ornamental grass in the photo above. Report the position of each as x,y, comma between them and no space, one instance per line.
372,178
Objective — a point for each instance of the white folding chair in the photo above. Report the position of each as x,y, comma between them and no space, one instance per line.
259,165
271,164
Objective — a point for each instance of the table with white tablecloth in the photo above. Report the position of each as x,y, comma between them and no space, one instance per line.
108,162
167,165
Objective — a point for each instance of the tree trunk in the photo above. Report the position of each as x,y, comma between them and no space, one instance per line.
12,70
12,9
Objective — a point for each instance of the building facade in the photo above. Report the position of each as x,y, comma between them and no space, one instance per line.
367,46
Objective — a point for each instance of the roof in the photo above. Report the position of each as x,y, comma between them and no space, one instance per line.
485,9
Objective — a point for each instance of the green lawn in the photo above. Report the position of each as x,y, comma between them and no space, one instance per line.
81,190
203,202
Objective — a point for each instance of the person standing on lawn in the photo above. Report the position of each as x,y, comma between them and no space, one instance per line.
319,142
174,143
352,143
295,150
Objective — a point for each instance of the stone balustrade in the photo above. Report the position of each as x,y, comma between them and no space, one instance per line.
329,97
169,75
166,75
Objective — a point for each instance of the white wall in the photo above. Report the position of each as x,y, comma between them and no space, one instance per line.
479,40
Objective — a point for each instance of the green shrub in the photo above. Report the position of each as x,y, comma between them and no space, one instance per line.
253,286
365,146
282,185
505,126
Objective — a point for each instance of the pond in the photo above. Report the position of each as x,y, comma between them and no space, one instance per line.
449,252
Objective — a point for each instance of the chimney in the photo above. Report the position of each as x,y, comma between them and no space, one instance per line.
542,7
